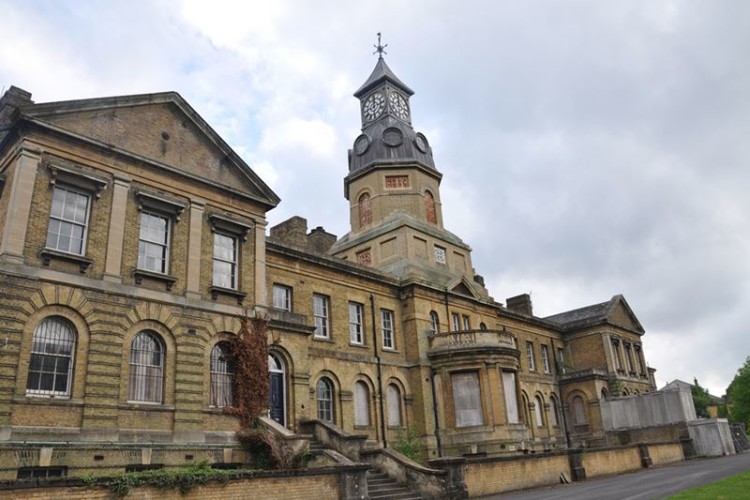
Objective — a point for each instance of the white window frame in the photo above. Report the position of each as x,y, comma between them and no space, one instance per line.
63,221
321,315
221,374
356,323
530,355
47,348
456,321
232,262
434,322
282,297
386,323
466,322
324,392
140,376
545,359
144,243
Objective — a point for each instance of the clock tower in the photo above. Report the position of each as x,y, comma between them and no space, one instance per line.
393,190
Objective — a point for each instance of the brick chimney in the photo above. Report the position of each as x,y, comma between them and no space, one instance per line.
520,304
320,241
292,232
10,102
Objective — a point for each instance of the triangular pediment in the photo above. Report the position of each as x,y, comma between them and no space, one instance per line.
462,287
620,314
161,128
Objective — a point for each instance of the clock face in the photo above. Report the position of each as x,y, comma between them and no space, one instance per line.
373,106
361,144
398,105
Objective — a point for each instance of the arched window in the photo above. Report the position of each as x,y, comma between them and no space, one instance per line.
579,411
324,395
365,210
361,404
482,327
538,407
277,389
393,399
604,393
434,322
429,207
146,368
222,372
553,411
51,363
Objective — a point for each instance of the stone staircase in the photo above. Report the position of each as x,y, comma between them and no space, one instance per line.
382,487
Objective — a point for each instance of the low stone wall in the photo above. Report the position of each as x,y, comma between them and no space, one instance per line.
489,476
297,485
611,461
711,437
486,476
667,453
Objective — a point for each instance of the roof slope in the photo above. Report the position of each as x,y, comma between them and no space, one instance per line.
162,128
615,311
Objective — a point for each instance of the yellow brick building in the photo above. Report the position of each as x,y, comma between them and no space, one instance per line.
133,239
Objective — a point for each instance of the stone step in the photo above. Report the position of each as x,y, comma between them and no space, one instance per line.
382,487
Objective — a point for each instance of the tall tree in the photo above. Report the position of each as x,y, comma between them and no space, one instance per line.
738,395
701,399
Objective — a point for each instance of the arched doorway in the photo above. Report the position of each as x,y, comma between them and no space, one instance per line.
277,389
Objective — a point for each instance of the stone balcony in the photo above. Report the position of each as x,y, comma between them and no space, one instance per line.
473,344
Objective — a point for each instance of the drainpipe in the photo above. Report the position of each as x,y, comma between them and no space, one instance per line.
447,312
562,405
435,412
380,373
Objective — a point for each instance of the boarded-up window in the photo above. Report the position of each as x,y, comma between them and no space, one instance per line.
420,248
388,248
467,399
579,411
393,398
429,207
511,398
553,411
538,405
365,209
361,404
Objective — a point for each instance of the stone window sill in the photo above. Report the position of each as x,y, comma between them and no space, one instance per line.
217,290
168,280
324,339
49,254
47,400
144,406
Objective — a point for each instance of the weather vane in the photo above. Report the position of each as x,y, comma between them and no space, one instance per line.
380,49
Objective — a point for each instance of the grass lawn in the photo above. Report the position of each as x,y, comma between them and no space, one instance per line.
732,487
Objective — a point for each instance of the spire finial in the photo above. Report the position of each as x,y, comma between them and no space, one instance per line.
380,49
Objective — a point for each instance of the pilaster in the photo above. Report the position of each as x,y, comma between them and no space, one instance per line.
113,263
19,205
197,208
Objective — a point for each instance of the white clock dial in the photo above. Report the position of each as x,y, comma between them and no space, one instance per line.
373,106
399,105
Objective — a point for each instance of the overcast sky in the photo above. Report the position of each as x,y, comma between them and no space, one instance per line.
588,148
